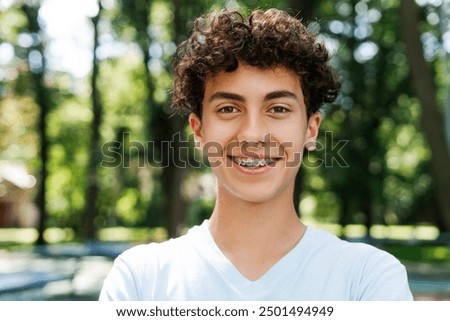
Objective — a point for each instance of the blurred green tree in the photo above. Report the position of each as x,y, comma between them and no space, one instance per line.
431,116
388,172
92,189
37,67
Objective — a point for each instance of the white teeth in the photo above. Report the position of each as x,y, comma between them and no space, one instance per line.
253,162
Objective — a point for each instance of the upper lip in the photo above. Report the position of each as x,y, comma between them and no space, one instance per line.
254,155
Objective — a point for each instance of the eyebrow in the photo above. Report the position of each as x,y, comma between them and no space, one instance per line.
226,95
272,95
280,94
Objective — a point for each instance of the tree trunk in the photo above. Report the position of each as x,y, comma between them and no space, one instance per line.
172,176
92,189
431,118
43,102
41,197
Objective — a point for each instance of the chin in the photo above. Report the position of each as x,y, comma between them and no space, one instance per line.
259,196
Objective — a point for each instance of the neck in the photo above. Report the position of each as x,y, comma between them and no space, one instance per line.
238,225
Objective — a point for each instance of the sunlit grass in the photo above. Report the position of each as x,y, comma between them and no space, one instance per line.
123,234
404,232
394,232
398,232
355,230
429,233
28,236
58,235
416,252
18,235
420,253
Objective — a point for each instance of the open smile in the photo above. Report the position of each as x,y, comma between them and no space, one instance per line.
254,162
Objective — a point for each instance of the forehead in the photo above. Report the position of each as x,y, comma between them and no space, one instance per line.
248,80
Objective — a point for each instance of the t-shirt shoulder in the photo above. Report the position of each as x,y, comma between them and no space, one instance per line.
373,270
144,264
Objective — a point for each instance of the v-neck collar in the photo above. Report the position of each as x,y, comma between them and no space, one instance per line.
227,269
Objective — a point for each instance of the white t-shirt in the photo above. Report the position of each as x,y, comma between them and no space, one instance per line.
319,267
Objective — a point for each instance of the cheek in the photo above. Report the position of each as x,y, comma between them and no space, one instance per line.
219,134
214,147
215,137
290,139
292,145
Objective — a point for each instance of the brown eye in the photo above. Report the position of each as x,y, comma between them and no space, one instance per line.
278,110
228,110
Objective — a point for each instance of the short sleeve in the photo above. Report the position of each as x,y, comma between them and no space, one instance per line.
130,271
383,278
119,284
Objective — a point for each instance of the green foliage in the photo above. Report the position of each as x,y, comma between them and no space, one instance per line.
68,129
12,21
420,253
199,211
124,96
387,180
17,118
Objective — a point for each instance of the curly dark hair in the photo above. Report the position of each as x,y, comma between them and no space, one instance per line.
272,38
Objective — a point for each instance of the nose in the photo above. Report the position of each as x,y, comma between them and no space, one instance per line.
253,128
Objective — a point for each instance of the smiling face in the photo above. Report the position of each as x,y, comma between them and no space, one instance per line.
253,130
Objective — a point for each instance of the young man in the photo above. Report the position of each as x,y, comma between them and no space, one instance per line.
253,89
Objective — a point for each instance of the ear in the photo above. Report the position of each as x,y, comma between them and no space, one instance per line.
312,131
196,126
